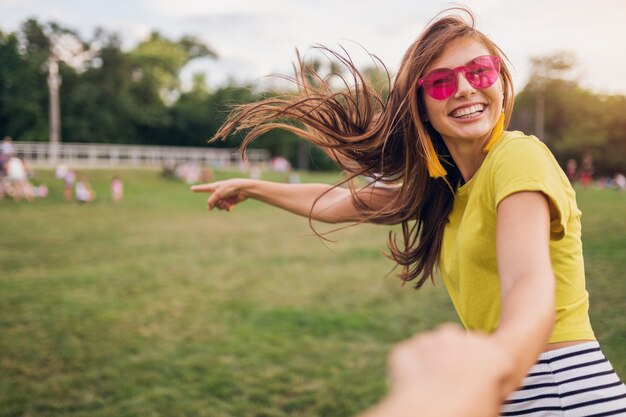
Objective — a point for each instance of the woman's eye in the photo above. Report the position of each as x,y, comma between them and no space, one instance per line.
442,82
479,70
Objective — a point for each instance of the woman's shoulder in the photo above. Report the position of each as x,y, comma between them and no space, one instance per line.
520,157
520,146
519,138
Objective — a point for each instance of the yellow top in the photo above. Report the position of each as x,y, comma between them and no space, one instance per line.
468,255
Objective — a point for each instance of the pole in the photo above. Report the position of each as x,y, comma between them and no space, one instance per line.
54,82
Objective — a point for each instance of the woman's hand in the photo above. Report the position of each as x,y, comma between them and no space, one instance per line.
224,194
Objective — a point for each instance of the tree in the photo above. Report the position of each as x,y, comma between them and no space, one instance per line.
23,90
576,121
98,104
155,68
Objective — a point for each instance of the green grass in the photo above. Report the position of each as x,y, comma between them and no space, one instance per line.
156,307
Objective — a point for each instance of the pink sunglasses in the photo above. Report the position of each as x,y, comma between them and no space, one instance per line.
480,72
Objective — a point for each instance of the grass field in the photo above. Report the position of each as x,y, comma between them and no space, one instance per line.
156,307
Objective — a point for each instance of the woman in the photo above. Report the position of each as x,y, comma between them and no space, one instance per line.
491,208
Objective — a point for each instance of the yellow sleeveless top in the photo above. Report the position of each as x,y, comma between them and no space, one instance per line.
467,261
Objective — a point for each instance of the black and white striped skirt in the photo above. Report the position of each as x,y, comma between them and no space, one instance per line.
575,381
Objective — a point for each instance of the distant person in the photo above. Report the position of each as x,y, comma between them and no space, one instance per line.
41,191
4,182
117,189
168,170
6,152
571,170
188,172
620,181
490,210
69,178
586,171
3,186
7,146
206,174
17,175
83,191
60,171
280,164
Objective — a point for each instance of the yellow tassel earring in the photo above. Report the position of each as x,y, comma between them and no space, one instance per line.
435,169
496,133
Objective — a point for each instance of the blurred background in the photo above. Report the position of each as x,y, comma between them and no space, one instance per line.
164,73
121,296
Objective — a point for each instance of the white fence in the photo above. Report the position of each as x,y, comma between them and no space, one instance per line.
87,155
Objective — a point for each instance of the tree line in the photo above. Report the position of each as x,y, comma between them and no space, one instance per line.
112,95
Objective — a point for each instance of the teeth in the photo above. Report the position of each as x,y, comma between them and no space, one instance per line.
466,111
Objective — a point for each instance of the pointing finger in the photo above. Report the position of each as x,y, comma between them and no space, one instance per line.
204,188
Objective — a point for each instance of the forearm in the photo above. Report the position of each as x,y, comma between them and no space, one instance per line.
526,322
333,207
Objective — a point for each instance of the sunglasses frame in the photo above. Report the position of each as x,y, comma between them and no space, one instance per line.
451,72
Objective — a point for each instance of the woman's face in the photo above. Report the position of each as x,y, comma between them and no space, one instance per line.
470,114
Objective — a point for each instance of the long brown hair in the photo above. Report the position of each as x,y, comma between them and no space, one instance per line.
385,139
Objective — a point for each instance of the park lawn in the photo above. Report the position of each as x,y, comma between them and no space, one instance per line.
155,307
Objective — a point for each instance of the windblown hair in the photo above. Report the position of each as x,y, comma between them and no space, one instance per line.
386,139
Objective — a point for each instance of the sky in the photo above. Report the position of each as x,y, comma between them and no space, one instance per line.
255,38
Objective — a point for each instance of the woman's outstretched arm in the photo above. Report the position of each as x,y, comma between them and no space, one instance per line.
527,283
334,206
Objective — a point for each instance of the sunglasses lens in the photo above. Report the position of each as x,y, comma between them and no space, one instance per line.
440,83
483,71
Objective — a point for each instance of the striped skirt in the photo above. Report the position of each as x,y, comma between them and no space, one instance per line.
575,381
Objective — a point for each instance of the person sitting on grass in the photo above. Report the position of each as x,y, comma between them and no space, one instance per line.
83,191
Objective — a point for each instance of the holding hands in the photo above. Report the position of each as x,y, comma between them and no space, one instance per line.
446,372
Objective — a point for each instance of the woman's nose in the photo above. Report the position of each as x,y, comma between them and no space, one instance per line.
464,88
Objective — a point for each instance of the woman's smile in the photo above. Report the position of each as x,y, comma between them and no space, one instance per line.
468,112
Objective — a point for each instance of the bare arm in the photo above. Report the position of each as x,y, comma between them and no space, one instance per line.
333,207
527,282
